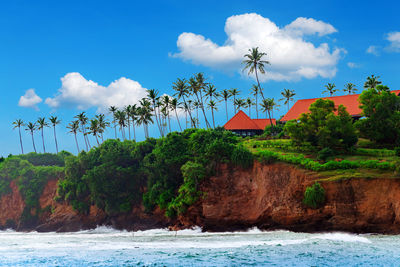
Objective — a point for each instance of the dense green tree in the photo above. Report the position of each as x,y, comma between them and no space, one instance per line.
322,127
381,110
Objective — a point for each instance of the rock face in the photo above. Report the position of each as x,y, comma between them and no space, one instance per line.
270,197
265,196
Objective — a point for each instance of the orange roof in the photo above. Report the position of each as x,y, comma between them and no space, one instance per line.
243,122
349,101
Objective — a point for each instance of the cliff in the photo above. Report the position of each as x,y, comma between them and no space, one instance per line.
266,196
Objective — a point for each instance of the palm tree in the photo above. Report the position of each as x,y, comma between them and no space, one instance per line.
213,106
350,88
120,116
330,88
132,114
287,96
268,105
234,92
254,62
240,103
196,88
152,94
174,105
255,91
166,101
41,125
31,127
225,96
372,82
196,106
201,84
55,121
81,117
113,109
181,89
74,128
94,129
249,103
103,124
128,119
144,113
18,124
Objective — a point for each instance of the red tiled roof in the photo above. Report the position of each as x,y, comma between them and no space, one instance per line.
349,101
243,122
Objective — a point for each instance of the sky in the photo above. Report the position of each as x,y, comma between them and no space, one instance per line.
59,58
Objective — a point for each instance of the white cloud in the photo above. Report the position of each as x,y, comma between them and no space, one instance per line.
353,65
394,39
77,91
374,50
305,26
30,99
291,56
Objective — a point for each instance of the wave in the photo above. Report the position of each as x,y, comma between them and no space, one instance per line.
344,237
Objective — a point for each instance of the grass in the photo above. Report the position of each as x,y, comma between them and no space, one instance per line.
365,151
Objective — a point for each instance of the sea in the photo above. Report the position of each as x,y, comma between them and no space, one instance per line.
108,247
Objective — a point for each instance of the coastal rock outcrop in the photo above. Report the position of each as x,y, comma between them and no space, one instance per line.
268,196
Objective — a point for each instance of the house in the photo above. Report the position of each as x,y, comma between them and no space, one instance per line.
349,101
243,125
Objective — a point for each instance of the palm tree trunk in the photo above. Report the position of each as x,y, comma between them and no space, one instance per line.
55,137
76,141
258,82
202,108
97,139
129,129
226,110
134,132
169,122
33,142
190,114
288,103
212,113
270,120
257,105
176,114
249,111
234,105
155,115
90,147
84,137
115,129
20,140
44,148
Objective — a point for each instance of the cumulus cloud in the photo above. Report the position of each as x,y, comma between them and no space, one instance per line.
30,99
77,91
374,50
394,39
291,56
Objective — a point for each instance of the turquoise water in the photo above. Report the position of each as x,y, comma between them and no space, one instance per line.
107,247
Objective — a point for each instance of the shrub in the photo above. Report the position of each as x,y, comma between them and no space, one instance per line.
241,156
322,128
325,153
397,151
314,196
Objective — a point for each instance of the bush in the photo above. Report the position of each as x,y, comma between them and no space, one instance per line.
322,127
314,196
397,151
325,153
241,156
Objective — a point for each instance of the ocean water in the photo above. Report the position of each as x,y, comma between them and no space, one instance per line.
107,247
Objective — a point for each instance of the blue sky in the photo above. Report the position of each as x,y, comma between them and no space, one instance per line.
309,44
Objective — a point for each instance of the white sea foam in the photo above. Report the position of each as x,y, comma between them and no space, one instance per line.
344,237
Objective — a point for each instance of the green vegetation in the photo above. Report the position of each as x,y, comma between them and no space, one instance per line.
164,172
314,196
322,128
30,173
